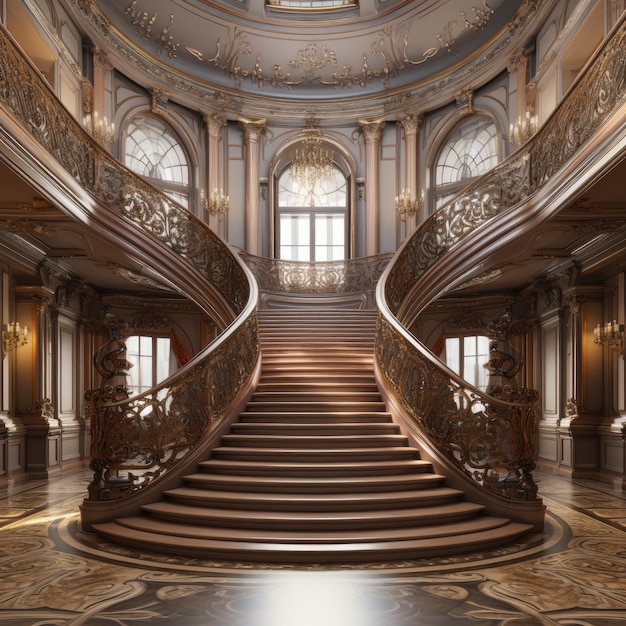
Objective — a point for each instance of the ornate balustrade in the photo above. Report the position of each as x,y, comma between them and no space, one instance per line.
136,440
490,439
331,278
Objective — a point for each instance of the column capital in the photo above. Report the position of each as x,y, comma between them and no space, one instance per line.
252,129
412,124
100,60
372,130
214,124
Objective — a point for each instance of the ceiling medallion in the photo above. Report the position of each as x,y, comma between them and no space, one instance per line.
310,63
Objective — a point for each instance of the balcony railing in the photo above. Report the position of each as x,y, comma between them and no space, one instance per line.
489,439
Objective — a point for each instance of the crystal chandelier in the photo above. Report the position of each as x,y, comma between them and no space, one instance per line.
407,207
311,163
217,204
522,130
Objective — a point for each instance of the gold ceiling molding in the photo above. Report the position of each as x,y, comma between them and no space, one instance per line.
317,63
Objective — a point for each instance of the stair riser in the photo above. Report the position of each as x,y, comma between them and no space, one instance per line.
317,407
329,442
310,507
327,418
311,456
313,525
265,486
315,430
318,470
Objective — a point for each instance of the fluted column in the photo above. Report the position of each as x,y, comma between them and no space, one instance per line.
372,133
411,125
252,132
214,125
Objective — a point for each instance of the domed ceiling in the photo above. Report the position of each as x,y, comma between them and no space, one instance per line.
289,58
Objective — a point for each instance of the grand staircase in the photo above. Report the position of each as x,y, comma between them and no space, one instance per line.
314,470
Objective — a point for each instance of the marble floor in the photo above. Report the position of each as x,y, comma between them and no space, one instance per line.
53,574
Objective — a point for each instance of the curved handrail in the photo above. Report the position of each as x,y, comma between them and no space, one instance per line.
149,434
490,439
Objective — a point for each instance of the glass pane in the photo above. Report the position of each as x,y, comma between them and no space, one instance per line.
153,151
331,192
162,359
469,152
145,346
329,237
453,354
295,237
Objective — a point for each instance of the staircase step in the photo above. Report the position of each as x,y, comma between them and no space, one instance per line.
255,501
299,536
317,553
329,521
309,484
313,442
316,417
319,429
321,455
315,469
312,406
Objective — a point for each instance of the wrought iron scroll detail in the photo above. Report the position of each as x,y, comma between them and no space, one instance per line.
136,440
489,439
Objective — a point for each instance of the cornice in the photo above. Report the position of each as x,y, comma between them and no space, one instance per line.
274,97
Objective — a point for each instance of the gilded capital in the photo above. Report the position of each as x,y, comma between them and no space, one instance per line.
372,130
252,130
412,124
215,124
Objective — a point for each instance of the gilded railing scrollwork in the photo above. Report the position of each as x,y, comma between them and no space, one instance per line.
137,439
358,275
489,437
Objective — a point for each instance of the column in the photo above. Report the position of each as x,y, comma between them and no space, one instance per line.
372,133
252,132
214,125
411,125
34,393
100,115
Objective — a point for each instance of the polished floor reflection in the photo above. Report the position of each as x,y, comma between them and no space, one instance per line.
52,574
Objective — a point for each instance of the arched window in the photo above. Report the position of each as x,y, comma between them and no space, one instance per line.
470,151
153,151
312,224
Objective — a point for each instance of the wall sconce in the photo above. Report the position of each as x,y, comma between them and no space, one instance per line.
407,207
522,130
610,336
217,204
13,337
99,129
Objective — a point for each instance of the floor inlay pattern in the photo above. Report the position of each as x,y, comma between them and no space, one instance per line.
52,574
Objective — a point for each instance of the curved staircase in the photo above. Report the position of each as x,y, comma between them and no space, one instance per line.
314,470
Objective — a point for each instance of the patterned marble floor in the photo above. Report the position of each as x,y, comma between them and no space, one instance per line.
52,574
